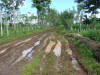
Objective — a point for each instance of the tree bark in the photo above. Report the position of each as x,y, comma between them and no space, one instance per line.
90,43
1,21
1,28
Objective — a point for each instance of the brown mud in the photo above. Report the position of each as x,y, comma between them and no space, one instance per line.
16,54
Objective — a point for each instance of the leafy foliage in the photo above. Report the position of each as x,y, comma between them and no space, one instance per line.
92,34
90,6
42,7
66,18
53,17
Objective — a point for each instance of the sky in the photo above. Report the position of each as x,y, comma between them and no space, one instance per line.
59,5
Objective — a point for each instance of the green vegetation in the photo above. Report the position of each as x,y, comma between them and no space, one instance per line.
50,59
15,25
49,63
89,6
87,57
21,32
89,33
92,34
63,40
31,67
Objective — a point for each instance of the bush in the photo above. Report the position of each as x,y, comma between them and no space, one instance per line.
92,34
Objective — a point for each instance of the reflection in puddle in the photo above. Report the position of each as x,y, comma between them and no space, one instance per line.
74,61
28,52
37,43
25,52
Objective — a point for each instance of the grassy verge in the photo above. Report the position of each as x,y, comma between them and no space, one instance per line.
86,53
92,34
87,57
20,32
31,67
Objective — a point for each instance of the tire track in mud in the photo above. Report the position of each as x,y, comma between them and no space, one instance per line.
13,54
20,43
59,60
76,54
33,35
11,59
5,47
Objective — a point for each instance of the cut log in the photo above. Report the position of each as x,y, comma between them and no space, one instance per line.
95,46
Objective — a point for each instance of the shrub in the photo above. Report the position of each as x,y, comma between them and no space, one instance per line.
92,34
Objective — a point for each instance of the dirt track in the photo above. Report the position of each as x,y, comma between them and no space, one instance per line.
18,53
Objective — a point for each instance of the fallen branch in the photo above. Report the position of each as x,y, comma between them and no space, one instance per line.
90,43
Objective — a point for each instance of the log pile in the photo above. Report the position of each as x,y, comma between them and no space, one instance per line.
90,43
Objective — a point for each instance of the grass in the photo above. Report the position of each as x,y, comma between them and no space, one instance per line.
92,34
86,53
63,40
50,60
49,63
20,32
87,57
31,67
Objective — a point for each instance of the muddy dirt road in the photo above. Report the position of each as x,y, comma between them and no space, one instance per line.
16,54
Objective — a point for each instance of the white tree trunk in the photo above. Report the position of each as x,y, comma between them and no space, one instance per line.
1,21
7,28
1,28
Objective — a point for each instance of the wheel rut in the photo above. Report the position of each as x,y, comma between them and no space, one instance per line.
58,58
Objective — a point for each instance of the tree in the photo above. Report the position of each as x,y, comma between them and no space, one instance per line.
42,7
93,20
1,19
10,7
86,21
90,6
53,17
67,18
80,15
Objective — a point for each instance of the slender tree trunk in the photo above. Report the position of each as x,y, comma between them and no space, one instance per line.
38,13
80,26
8,28
1,21
1,29
14,19
7,23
